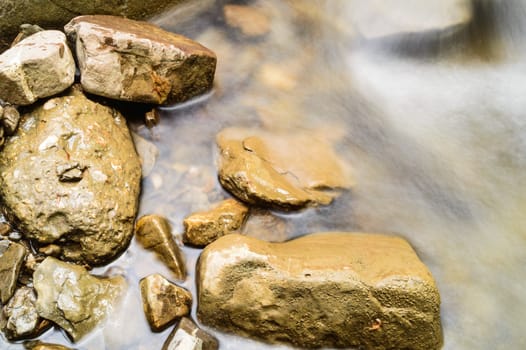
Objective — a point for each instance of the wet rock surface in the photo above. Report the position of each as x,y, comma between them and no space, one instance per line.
205,227
71,176
154,232
187,336
163,301
72,298
38,66
137,61
14,13
11,259
284,171
20,319
324,290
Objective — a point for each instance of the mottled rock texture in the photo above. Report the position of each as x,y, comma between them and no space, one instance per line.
71,176
138,61
72,298
11,258
163,301
154,232
56,13
280,170
187,336
39,66
205,227
20,319
362,291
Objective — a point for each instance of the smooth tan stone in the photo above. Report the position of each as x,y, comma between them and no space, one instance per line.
39,66
138,61
163,302
280,170
324,290
154,232
205,227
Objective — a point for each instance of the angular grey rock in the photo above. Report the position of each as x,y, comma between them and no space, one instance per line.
11,258
20,319
163,301
72,298
338,290
138,61
39,66
187,336
71,176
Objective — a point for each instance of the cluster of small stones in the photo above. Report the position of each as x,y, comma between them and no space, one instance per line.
323,290
70,175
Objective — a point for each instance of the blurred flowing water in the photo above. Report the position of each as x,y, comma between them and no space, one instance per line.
426,100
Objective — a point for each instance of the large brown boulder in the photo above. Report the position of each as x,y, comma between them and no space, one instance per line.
71,176
137,61
363,291
56,13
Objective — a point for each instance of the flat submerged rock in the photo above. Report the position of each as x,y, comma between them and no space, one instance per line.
280,170
324,290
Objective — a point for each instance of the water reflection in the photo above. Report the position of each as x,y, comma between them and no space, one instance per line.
432,123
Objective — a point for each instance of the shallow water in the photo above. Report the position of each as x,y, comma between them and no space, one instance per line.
433,126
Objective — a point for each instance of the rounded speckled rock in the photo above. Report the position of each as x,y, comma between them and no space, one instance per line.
71,176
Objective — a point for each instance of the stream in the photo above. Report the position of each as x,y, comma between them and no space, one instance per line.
427,104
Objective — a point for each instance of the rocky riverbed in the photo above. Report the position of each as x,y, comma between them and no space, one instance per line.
147,206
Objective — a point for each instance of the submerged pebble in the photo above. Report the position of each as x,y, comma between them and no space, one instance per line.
163,301
203,228
187,336
154,232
